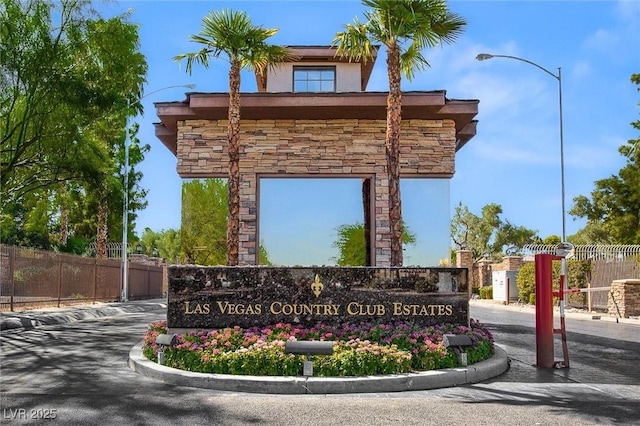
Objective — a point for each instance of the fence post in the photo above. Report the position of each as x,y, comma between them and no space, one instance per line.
12,260
95,279
59,280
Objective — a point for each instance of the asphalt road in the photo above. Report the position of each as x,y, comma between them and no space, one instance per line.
76,373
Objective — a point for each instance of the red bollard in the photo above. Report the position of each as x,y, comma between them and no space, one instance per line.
544,310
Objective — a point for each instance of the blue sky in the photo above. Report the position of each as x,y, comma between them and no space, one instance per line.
514,160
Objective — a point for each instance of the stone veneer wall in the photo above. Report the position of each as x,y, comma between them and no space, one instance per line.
624,298
509,263
314,148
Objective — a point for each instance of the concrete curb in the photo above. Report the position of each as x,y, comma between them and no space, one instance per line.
481,371
52,316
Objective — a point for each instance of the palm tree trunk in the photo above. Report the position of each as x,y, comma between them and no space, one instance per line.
233,224
64,215
392,143
366,206
102,225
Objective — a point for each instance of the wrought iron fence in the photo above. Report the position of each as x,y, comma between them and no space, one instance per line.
31,278
608,263
114,250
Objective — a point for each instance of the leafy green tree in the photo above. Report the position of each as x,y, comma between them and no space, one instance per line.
233,34
594,232
510,239
613,211
553,240
52,87
264,256
68,80
27,223
406,28
204,217
488,235
166,242
471,232
351,244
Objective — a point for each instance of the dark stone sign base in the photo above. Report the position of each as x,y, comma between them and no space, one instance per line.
217,297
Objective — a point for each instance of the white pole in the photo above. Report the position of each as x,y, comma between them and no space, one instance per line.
124,296
484,57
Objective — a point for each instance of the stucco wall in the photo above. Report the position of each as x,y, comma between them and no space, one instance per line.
347,76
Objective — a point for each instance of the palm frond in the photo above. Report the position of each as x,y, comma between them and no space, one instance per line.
231,33
354,43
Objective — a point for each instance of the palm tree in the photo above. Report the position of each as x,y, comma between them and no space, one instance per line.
232,33
405,27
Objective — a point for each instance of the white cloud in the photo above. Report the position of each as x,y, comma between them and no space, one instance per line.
581,70
601,41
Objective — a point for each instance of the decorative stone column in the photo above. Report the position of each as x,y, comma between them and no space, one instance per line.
383,231
248,250
624,298
464,259
512,263
484,272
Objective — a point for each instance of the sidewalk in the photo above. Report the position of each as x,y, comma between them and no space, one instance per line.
582,314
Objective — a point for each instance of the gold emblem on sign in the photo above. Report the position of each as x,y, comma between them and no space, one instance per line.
317,286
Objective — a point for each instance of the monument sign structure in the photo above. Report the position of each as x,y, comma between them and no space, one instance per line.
312,118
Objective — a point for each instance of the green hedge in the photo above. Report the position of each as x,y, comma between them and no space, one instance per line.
486,292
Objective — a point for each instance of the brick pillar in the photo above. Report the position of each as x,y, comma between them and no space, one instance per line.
624,298
248,250
383,232
513,263
484,272
464,259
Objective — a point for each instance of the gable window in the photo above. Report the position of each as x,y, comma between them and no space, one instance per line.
314,79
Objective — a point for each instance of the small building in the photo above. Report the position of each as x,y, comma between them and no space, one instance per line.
314,118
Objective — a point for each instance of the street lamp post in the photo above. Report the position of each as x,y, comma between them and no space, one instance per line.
124,295
564,248
485,56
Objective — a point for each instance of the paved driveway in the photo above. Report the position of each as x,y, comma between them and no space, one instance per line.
77,371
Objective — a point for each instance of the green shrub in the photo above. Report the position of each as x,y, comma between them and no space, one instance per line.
486,292
526,282
577,271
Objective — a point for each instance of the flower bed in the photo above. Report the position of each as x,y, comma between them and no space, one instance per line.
360,350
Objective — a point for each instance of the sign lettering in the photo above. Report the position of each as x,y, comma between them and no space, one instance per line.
319,310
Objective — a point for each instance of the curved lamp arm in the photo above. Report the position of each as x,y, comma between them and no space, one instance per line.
484,57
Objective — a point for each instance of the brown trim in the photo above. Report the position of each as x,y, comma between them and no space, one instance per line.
325,54
431,105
